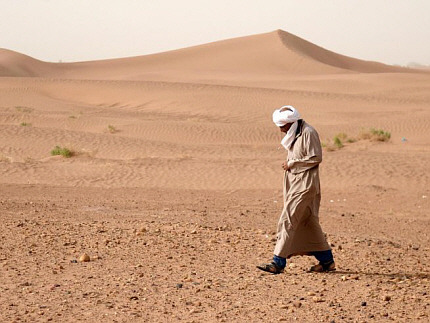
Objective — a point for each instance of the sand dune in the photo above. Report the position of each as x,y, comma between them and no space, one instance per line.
275,54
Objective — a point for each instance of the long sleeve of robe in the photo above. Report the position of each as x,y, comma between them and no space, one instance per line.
299,231
310,153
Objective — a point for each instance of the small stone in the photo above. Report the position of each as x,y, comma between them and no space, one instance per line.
84,258
363,303
179,285
386,298
343,278
297,304
318,299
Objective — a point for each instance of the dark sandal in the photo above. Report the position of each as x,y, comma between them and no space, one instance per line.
323,268
271,268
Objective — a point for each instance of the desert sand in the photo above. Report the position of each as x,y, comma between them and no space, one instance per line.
174,188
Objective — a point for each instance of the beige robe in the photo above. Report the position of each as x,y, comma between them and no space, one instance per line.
299,231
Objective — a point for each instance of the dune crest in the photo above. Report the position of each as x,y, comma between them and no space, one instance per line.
327,57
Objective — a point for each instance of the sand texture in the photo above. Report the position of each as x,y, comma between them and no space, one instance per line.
174,190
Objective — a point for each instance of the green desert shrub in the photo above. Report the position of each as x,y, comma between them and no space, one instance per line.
63,151
112,129
376,135
337,142
380,135
24,109
341,138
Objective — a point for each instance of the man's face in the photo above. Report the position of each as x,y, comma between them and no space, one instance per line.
285,128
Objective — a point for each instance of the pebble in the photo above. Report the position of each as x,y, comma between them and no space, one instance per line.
84,258
386,298
363,303
297,304
318,299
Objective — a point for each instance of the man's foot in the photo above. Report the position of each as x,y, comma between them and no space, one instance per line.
271,268
322,268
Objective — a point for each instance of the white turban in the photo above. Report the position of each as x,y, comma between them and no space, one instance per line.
284,115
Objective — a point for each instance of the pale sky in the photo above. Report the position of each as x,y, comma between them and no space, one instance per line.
388,31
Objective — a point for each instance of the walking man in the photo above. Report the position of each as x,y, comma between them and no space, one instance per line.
299,231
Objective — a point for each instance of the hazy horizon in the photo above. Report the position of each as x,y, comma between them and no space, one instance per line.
392,32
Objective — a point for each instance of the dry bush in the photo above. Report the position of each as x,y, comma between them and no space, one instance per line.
375,135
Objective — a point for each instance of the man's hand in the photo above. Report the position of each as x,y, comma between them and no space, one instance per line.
285,166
